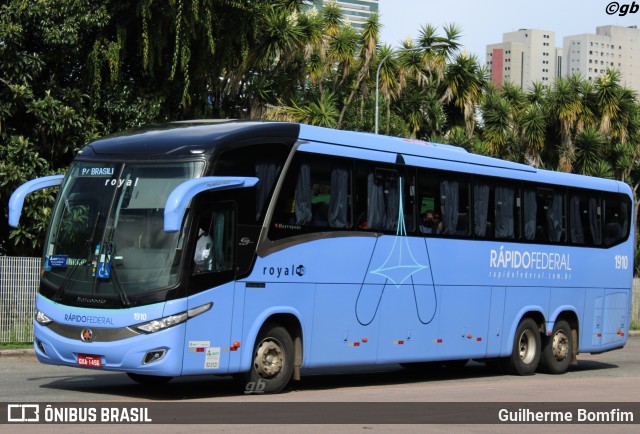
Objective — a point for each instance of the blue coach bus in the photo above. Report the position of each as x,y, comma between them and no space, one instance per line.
260,249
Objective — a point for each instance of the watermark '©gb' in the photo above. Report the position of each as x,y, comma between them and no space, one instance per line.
255,387
615,8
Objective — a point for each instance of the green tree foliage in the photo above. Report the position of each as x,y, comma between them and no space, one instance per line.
74,70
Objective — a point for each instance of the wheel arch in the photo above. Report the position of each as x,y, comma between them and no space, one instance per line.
287,317
533,312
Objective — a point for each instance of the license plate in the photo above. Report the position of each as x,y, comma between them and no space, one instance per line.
89,361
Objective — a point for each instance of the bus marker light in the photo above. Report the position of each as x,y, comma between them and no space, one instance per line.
236,344
398,342
469,336
478,339
233,348
365,340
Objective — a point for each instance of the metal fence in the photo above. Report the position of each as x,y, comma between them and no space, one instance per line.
19,279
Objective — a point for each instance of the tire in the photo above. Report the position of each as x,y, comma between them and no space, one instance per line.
272,362
149,380
525,354
557,351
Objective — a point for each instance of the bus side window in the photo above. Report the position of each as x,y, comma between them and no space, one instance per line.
550,217
483,208
616,219
454,206
585,219
315,196
378,197
530,214
505,212
429,218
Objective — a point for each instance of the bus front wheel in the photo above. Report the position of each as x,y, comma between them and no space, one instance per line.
272,362
558,349
526,349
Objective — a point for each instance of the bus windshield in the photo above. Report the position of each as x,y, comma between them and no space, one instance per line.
106,237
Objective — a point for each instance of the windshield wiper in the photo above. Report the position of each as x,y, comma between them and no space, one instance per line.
110,254
85,248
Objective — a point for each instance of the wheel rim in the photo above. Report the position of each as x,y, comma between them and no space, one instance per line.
560,345
269,358
527,346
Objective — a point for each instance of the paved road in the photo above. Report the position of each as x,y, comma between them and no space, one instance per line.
609,377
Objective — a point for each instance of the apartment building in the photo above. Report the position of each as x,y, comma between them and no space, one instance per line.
524,57
611,47
355,12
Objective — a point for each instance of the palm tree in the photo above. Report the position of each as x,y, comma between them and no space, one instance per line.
435,60
342,48
565,106
607,89
464,81
368,47
388,80
589,150
534,128
497,131
321,111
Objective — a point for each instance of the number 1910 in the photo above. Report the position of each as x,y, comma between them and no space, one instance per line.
622,262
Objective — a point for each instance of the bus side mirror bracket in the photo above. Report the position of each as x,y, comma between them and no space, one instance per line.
16,202
181,195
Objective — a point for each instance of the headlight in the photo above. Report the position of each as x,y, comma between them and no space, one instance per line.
169,321
42,319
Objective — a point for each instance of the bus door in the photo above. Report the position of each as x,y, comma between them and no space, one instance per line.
212,255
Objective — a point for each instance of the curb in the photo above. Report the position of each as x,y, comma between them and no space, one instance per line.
17,353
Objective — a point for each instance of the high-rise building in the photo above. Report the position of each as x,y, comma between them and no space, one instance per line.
524,57
611,47
355,11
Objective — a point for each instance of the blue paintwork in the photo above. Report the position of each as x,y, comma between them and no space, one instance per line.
379,299
16,202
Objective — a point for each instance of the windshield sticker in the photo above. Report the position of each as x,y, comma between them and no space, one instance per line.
212,358
97,171
58,261
104,266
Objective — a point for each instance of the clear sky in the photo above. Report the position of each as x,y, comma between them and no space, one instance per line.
484,21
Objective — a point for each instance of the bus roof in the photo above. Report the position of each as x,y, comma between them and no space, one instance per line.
191,137
186,138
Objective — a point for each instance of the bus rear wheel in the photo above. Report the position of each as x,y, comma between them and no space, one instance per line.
272,362
149,380
558,349
526,349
